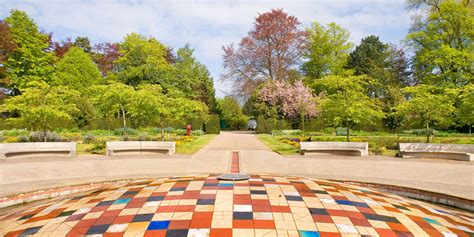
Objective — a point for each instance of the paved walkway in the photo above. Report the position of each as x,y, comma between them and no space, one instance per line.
449,177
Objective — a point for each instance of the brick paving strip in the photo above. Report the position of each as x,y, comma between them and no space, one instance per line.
235,164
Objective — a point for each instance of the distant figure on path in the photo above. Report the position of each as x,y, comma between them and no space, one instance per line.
188,130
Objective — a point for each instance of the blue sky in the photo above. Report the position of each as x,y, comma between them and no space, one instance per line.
207,25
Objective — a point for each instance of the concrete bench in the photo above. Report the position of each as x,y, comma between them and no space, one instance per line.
140,147
337,148
443,151
37,149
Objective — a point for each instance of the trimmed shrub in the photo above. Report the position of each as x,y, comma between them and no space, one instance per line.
1,138
213,125
22,139
144,137
10,140
41,136
121,131
88,139
15,132
197,132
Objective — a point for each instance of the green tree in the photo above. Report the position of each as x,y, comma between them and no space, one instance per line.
84,43
147,106
113,99
42,107
443,45
329,48
76,70
30,61
345,102
7,46
193,78
143,60
465,110
231,112
427,106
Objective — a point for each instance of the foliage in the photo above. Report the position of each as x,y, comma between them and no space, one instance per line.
346,103
293,101
42,107
269,51
88,139
143,60
428,106
105,54
7,46
465,110
76,70
84,43
44,136
193,79
443,44
123,131
29,61
231,113
213,125
329,48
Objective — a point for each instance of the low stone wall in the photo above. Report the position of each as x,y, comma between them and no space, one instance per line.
463,152
37,148
337,148
140,147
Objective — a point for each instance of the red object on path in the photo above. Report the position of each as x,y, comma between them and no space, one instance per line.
235,167
188,130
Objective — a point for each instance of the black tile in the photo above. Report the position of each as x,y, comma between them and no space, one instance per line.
177,233
210,184
178,189
155,198
26,217
320,192
258,192
66,213
97,229
142,217
318,211
30,231
380,218
130,192
206,201
294,198
400,207
105,203
243,216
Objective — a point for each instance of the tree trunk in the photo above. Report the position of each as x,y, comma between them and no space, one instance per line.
302,123
348,130
162,132
470,130
44,134
428,133
124,124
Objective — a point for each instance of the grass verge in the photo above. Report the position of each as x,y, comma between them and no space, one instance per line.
277,146
195,145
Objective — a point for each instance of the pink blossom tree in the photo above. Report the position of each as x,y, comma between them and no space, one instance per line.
293,101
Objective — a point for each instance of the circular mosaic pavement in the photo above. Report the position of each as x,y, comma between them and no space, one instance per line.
261,206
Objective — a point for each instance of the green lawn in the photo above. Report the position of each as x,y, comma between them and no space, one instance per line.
195,145
277,146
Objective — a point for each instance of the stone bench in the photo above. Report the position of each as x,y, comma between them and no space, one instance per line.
37,149
336,148
140,147
443,151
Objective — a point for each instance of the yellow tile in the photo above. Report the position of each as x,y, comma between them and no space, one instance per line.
306,225
243,233
285,225
221,224
265,233
182,216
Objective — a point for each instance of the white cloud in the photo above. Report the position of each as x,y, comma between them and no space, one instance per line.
207,25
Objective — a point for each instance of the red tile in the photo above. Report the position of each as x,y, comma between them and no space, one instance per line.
221,233
100,208
264,224
322,218
185,208
123,219
86,223
105,220
166,209
179,224
281,209
201,223
260,202
115,234
155,233
329,234
202,215
243,224
336,212
386,232
262,208
111,213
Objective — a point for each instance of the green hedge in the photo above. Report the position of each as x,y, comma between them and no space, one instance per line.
213,125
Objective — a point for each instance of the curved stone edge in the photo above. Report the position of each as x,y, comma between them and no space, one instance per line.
64,191
419,194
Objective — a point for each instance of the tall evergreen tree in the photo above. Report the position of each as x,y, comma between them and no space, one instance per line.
30,61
